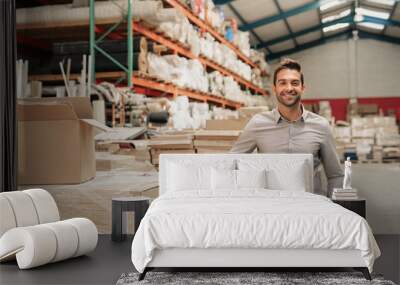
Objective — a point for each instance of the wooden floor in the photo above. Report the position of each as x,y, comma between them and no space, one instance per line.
110,260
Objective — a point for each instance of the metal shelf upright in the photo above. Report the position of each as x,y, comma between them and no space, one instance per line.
94,42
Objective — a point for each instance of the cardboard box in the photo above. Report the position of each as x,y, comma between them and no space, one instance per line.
55,141
230,124
367,109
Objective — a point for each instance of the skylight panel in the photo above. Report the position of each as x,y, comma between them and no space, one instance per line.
383,2
372,25
372,13
327,4
335,27
337,16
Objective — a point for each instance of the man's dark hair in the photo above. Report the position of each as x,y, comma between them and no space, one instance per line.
288,63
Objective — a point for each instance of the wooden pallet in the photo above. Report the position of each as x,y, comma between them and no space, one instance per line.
368,161
391,160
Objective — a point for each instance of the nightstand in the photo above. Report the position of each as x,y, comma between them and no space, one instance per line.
138,205
358,206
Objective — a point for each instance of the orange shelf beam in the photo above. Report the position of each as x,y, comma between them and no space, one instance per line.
238,78
75,76
179,48
173,45
176,91
206,27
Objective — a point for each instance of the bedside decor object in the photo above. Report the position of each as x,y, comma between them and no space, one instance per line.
347,192
347,174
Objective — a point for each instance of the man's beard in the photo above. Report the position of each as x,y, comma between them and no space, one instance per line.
294,103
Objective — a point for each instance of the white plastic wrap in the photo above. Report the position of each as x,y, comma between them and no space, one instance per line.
103,10
179,110
178,70
242,40
200,114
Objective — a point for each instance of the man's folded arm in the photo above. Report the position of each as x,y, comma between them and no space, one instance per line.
330,160
246,142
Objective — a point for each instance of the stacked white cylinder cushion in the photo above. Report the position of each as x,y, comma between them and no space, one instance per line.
31,230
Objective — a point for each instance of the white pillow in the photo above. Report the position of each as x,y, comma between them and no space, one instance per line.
251,178
287,174
223,180
292,179
185,175
183,178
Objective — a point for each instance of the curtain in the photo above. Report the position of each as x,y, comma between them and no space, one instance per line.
8,123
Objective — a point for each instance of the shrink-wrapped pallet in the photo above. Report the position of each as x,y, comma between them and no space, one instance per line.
223,114
216,83
179,110
200,114
165,15
159,67
178,70
103,10
218,55
242,40
258,57
194,41
232,90
206,47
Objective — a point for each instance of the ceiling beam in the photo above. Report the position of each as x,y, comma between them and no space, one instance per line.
346,19
309,45
286,22
361,34
388,22
281,16
222,2
379,37
237,14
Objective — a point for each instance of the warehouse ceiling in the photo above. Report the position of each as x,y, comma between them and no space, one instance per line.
281,27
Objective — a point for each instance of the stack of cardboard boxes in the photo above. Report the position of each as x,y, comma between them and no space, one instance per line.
170,143
213,141
373,139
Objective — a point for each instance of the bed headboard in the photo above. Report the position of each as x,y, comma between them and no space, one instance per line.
267,160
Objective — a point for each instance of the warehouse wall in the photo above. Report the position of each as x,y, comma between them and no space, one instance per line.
343,69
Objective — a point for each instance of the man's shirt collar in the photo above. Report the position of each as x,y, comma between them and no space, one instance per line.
278,117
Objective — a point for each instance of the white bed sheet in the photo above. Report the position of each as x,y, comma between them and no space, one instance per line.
256,218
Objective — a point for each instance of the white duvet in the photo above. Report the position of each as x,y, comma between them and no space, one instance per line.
250,219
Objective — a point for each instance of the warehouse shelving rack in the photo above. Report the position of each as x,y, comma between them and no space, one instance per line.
182,50
94,47
204,26
115,27
172,45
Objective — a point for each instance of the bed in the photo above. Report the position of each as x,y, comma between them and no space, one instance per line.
247,210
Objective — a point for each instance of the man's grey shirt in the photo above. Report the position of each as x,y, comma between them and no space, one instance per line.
270,133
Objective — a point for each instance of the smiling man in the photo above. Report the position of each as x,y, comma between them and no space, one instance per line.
290,128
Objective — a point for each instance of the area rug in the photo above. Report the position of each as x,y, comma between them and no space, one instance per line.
243,278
